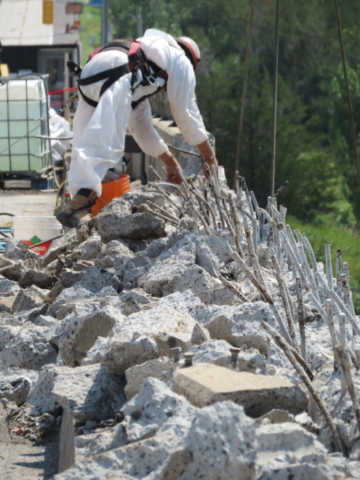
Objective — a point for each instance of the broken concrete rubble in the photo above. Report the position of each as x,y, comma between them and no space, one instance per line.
137,375
16,383
133,301
28,349
169,267
88,392
138,226
80,333
208,289
134,341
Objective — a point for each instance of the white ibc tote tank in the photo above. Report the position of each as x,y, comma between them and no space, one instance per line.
23,116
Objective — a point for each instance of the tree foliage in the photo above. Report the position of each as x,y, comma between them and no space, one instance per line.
314,149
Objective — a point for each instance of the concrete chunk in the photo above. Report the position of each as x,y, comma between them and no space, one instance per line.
28,349
40,279
89,392
136,227
205,384
16,383
136,376
134,342
80,334
170,266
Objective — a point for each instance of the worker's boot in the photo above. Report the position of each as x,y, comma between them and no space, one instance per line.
78,209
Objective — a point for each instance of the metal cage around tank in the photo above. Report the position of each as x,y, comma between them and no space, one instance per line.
24,116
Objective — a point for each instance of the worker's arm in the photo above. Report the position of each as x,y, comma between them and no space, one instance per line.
148,139
182,99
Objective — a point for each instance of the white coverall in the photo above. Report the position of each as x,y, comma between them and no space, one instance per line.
99,133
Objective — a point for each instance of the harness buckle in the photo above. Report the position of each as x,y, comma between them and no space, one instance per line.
152,80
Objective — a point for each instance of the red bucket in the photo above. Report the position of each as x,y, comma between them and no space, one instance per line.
110,191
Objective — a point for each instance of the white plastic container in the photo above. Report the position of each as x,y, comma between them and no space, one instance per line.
23,116
33,230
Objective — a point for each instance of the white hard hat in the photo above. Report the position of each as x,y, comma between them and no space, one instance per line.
191,49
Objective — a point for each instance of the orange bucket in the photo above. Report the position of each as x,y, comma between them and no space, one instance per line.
110,191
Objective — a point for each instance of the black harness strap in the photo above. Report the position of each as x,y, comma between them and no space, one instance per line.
113,73
111,76
137,61
88,100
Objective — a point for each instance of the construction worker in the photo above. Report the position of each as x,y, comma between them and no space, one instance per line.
114,89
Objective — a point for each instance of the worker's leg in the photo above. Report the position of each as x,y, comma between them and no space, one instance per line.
83,115
98,148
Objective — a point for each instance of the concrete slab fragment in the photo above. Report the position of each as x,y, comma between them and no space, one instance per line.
205,384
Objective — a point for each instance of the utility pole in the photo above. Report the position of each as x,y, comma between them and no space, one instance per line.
104,22
139,23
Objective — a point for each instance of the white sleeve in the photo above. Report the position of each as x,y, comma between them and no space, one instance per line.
182,99
143,130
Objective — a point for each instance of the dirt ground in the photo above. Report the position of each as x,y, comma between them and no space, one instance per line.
21,459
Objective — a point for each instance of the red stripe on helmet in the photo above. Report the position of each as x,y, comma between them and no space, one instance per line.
197,60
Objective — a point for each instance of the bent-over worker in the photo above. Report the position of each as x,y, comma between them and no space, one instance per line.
114,88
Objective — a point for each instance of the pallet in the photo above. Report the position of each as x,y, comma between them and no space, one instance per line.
27,184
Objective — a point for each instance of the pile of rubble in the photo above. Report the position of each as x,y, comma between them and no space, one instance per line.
184,333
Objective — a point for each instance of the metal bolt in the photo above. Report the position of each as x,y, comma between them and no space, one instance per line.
234,355
176,354
188,359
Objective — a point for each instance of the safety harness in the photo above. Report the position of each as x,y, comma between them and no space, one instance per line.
137,62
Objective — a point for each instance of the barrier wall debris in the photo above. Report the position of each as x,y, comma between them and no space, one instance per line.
98,331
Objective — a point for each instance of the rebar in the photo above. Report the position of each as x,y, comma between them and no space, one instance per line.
294,258
216,192
237,225
345,363
301,318
227,219
164,212
346,271
339,261
301,372
342,338
310,250
285,299
283,211
328,266
155,173
254,201
167,195
255,230
291,238
202,199
306,267
233,289
333,336
159,214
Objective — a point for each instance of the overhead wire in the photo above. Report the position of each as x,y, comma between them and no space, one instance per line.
348,94
275,96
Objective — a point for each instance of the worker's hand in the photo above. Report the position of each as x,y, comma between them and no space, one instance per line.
171,165
208,156
207,162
